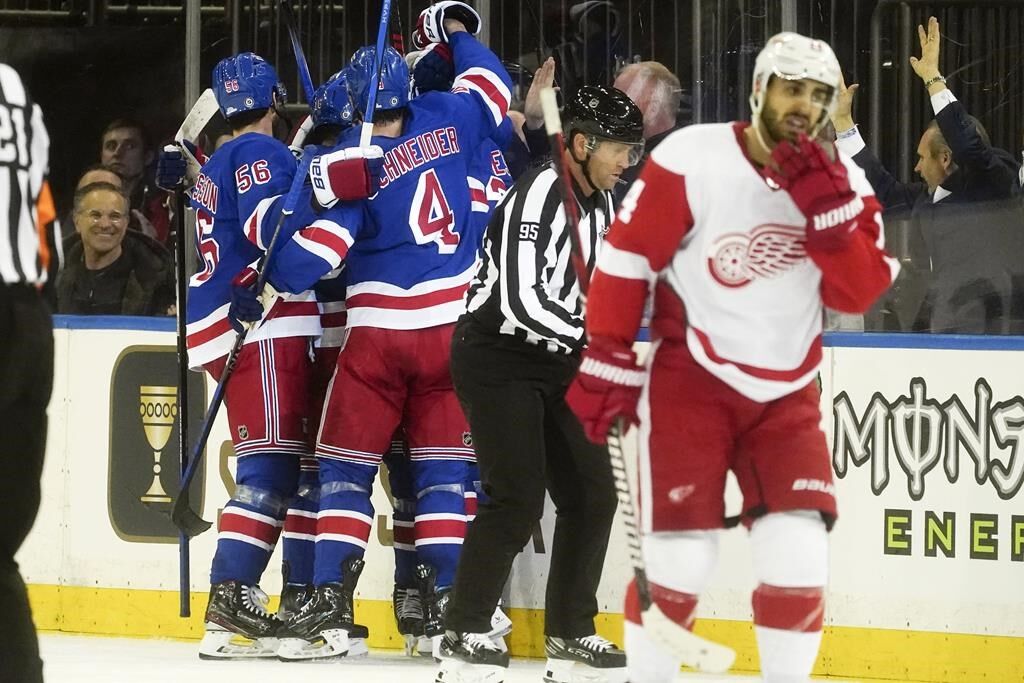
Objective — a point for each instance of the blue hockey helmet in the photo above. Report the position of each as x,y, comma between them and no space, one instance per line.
332,102
393,91
246,82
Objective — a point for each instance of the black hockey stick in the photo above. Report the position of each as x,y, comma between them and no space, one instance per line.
300,56
182,514
397,36
181,290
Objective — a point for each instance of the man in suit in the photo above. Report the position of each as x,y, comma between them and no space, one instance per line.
965,207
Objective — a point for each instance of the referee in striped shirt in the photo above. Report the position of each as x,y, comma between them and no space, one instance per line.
514,354
26,357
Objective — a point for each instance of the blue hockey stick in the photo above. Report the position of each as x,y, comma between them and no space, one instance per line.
183,516
382,35
300,57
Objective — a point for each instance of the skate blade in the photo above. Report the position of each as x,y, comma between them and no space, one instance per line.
570,671
429,647
699,653
454,671
411,644
227,645
328,646
501,625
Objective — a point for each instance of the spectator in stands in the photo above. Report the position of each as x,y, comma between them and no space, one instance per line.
125,148
965,207
97,173
656,90
651,85
110,270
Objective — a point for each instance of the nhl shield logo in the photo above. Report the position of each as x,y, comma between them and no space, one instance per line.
243,432
467,439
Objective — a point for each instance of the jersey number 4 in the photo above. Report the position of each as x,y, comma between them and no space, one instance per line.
431,217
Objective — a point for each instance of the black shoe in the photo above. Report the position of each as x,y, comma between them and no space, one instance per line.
476,649
330,607
293,597
240,608
591,651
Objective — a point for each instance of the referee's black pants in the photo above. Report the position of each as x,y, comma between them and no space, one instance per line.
526,438
26,378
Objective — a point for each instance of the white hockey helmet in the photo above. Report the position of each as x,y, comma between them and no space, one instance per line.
794,57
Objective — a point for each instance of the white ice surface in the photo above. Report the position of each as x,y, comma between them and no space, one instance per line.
87,659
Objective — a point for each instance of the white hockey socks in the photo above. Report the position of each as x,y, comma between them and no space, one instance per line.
791,562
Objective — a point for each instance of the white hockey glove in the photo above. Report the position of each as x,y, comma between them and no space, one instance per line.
431,21
346,174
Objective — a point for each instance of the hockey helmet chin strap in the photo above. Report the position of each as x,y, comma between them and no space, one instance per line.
636,152
585,162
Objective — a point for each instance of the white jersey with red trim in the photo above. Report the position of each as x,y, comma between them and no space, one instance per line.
733,274
410,250
237,200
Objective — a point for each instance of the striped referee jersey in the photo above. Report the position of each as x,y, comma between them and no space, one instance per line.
526,286
26,207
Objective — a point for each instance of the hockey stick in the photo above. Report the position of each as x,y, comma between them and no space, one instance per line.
553,124
694,651
191,126
300,56
397,35
366,132
182,514
181,289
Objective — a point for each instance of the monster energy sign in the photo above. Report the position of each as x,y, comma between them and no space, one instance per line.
927,437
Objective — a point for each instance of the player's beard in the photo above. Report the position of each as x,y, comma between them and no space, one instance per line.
776,127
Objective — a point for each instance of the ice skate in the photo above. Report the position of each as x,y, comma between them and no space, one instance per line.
435,603
324,629
293,597
470,658
238,625
409,617
579,660
501,626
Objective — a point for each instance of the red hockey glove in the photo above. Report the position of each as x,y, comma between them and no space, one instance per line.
820,188
607,387
346,174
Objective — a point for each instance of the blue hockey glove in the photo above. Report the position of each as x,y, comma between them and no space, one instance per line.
246,307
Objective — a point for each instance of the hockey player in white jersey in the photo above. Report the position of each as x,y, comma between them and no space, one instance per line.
745,232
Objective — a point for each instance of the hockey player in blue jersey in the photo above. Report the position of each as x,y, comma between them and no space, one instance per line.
408,267
331,113
237,201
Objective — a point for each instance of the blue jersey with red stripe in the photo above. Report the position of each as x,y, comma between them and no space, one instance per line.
410,249
489,179
237,199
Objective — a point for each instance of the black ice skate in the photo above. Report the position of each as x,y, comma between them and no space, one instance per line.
238,625
470,658
293,597
590,658
409,617
324,628
435,603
